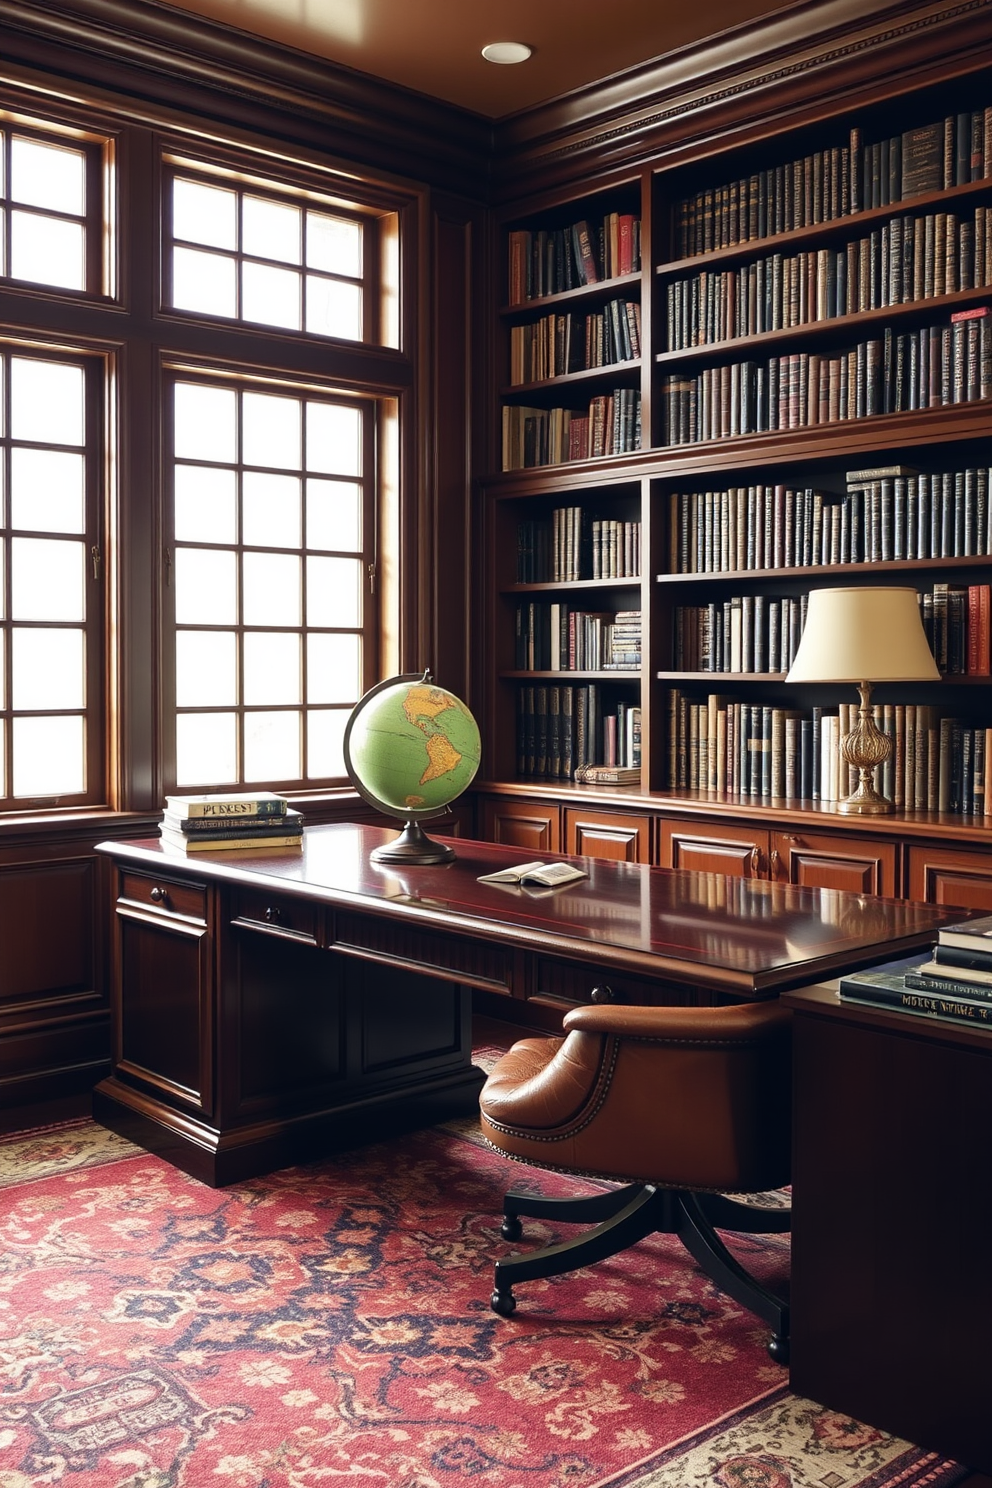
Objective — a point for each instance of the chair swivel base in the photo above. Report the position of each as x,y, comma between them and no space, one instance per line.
625,1215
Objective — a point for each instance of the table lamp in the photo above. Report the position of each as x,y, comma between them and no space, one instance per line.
864,636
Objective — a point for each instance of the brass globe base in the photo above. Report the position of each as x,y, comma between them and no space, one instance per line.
413,846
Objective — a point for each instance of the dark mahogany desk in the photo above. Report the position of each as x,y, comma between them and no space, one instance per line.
270,1007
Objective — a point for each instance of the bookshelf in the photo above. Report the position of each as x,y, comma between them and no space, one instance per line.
815,391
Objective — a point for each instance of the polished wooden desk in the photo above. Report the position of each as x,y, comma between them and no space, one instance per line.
269,1007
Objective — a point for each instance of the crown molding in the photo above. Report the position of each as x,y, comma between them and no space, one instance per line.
160,56
742,84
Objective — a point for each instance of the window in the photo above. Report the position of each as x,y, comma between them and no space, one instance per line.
273,516
273,260
50,227
50,693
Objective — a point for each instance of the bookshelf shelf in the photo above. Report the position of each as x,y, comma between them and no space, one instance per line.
744,720
801,238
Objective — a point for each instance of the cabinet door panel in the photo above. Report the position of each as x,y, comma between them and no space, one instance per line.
814,861
602,834
531,826
943,876
704,847
164,1034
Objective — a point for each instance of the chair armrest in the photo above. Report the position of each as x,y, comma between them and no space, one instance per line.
734,1023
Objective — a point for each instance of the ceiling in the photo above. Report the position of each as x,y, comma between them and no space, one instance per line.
434,46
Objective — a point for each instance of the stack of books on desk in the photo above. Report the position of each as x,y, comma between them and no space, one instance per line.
956,982
219,823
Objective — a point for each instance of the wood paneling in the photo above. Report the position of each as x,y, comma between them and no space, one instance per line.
707,847
818,861
604,834
533,828
944,876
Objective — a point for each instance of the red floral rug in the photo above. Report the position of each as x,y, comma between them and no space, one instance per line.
330,1325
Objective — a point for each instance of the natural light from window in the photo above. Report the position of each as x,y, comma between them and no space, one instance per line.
43,227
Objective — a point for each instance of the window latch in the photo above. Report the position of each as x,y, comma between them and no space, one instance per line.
168,567
371,574
97,558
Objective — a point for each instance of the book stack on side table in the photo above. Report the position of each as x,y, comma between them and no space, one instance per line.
955,983
225,823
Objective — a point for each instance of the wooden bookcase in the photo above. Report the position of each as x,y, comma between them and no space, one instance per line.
795,834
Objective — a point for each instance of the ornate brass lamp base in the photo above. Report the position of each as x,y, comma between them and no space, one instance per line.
865,747
413,846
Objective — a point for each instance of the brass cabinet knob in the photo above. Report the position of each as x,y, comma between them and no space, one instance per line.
159,896
756,859
602,994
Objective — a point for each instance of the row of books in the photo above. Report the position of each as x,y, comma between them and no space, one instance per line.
558,344
721,744
550,261
746,633
933,367
890,513
562,729
955,983
551,636
905,260
554,436
838,181
574,545
228,823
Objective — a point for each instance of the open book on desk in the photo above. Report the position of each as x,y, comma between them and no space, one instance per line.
541,875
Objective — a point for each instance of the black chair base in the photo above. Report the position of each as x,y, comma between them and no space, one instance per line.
623,1216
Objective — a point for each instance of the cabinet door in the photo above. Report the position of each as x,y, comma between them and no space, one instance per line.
819,861
945,876
608,834
164,997
532,826
706,847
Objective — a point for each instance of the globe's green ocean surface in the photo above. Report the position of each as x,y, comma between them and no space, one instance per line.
414,746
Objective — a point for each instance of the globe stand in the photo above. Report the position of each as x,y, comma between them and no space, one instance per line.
413,846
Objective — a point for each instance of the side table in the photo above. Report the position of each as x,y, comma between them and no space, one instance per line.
892,1221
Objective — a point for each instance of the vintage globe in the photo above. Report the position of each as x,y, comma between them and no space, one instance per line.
411,748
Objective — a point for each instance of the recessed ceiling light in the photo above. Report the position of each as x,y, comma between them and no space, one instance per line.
506,51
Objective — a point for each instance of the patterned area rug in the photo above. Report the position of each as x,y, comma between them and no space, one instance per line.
330,1324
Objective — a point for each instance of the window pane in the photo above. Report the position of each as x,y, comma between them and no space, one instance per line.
334,515
334,668
334,308
334,244
334,434
47,669
270,230
206,749
270,296
204,214
271,589
206,668
44,250
204,282
206,505
49,757
271,514
272,746
46,491
325,743
47,579
47,176
272,668
271,431
334,595
206,587
206,422
46,402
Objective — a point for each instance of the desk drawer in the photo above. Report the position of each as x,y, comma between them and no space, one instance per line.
164,895
474,963
292,919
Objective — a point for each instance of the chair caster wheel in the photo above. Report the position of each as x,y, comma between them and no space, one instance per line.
511,1228
778,1347
503,1302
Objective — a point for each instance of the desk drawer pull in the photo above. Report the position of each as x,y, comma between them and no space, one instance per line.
602,994
273,915
159,896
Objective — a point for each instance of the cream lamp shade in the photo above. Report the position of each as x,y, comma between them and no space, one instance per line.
863,635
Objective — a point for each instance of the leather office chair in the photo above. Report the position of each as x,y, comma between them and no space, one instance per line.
688,1106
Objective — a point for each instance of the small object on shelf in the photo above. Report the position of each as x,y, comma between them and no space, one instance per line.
543,875
219,806
897,986
864,636
607,775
